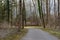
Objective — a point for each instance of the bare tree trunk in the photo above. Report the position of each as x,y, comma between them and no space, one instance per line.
8,9
43,22
20,16
23,15
58,8
59,13
39,7
55,14
35,12
47,12
49,16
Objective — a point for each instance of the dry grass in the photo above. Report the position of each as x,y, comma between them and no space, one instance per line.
53,32
15,36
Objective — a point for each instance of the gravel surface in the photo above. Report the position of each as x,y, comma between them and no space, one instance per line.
38,34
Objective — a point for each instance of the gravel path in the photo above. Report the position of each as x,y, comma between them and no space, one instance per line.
38,34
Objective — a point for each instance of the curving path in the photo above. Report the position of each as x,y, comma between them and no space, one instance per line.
38,34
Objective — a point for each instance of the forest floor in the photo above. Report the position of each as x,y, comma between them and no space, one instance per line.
12,34
29,33
38,34
5,32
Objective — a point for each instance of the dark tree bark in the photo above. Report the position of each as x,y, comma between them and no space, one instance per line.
59,13
23,15
58,7
8,9
39,7
43,22
55,13
47,12
41,13
20,16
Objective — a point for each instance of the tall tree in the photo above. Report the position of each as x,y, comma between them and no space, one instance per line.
58,7
59,13
20,16
47,11
8,9
23,15
39,7
55,13
43,22
41,13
